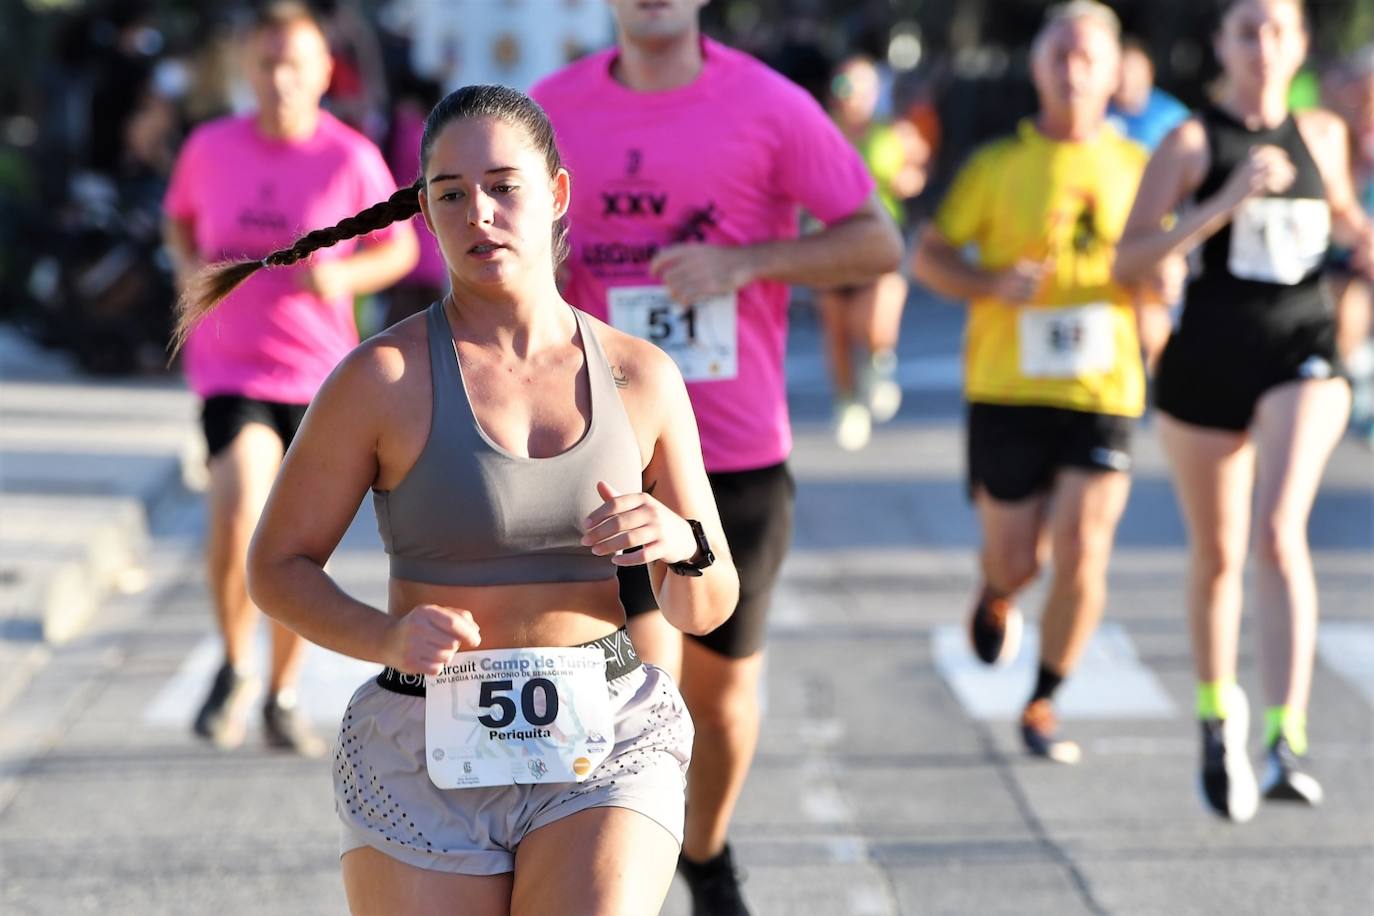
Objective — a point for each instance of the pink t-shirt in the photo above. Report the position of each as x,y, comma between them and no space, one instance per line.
247,195
726,160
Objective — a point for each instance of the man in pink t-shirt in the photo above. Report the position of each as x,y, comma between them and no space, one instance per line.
689,162
247,186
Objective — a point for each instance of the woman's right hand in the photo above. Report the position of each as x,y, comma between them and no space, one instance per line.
1266,170
424,640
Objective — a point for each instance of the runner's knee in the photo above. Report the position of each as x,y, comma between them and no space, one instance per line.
1280,544
1217,559
1082,548
1012,567
724,710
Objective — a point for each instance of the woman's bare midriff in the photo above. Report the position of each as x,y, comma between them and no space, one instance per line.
538,614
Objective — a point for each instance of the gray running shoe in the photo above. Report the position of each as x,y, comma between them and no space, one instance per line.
1040,734
221,719
1286,777
284,727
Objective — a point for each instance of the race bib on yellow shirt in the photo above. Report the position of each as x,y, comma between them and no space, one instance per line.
701,337
508,716
1066,342
1279,239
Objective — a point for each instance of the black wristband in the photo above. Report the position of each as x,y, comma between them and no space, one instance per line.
702,559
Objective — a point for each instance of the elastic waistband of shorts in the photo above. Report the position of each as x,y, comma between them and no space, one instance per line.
621,659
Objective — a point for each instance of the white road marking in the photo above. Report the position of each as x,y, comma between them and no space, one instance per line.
1110,682
868,901
327,682
807,371
1347,647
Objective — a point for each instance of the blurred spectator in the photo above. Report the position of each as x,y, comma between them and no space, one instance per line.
127,44
216,86
358,91
1139,108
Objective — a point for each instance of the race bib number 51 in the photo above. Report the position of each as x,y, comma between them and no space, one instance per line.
701,337
506,716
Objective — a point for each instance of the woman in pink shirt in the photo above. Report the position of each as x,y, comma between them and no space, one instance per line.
245,186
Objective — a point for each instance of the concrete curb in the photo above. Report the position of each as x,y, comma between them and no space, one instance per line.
85,465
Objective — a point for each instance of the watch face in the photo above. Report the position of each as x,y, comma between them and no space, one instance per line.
703,546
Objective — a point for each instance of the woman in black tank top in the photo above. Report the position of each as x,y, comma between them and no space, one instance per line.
1250,398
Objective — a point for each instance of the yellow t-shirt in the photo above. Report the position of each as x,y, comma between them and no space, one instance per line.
1027,196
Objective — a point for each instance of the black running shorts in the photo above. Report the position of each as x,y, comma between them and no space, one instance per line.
225,415
756,513
1217,384
1015,452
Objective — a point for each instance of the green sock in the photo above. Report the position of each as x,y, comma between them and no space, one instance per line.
1289,722
1213,698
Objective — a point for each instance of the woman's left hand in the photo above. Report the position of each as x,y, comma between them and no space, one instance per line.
637,520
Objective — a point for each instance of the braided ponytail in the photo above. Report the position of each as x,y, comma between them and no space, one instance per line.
216,281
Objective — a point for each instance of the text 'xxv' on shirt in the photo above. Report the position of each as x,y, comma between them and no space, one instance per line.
726,160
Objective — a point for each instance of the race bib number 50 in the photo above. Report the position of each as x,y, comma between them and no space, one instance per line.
701,337
505,716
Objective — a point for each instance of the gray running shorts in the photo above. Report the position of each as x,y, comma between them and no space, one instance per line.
385,800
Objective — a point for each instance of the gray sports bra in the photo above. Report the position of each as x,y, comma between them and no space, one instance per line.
471,513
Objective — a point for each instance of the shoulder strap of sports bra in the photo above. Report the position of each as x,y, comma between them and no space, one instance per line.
598,369
443,361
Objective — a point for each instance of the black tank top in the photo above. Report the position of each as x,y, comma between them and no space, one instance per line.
1263,268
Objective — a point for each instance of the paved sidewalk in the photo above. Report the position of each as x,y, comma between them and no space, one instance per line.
888,780
85,465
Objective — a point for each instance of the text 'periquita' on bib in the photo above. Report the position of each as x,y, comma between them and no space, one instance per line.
1066,342
1279,239
507,716
701,337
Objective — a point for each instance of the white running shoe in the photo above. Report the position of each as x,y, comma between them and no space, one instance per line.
1227,781
853,425
882,393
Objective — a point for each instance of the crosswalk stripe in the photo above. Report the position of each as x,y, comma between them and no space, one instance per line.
1109,683
326,684
1347,647
806,372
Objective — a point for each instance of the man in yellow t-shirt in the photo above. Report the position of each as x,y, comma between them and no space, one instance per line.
1052,361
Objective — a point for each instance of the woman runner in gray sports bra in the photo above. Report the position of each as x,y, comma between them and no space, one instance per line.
518,451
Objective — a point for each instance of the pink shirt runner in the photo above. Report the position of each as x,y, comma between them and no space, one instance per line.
726,160
247,195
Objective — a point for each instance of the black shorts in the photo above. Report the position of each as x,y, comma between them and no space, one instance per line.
224,415
756,513
1015,452
1216,383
